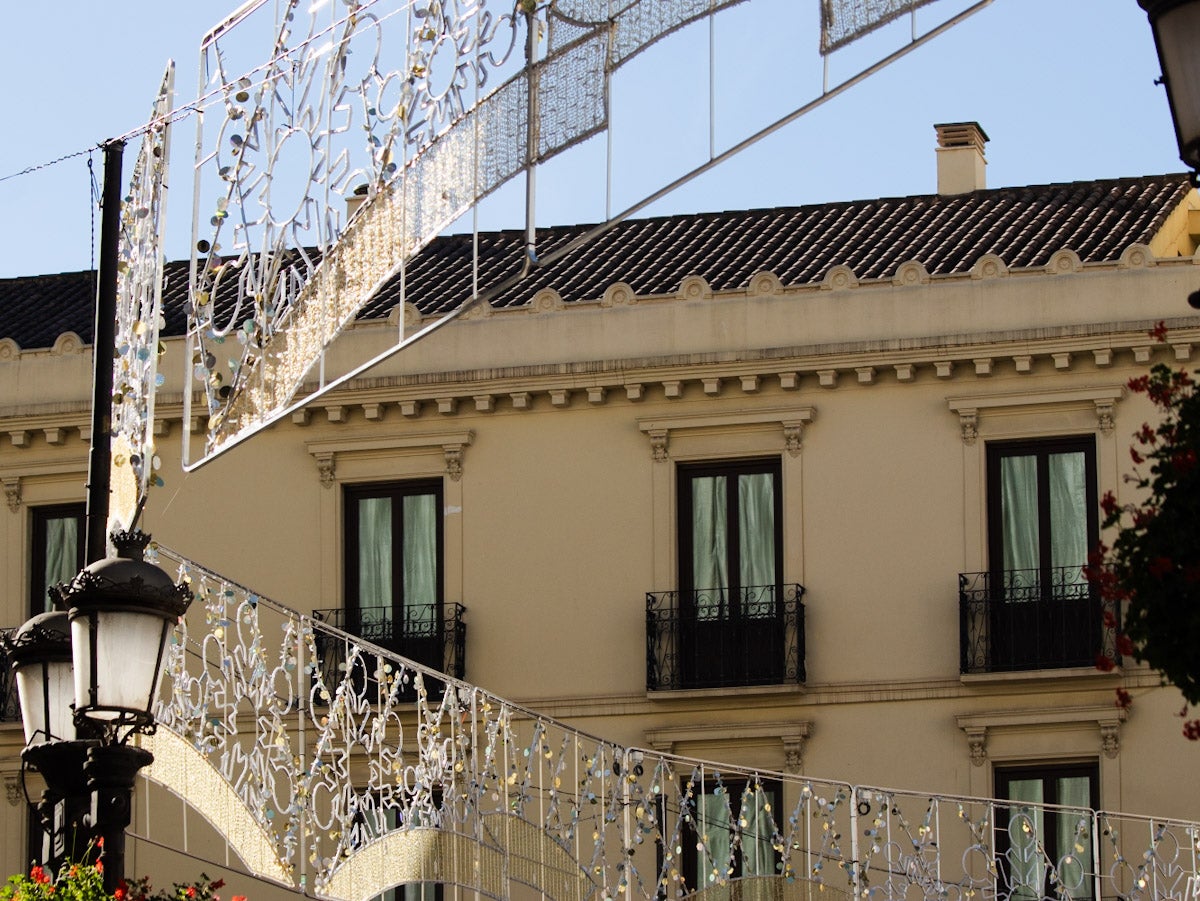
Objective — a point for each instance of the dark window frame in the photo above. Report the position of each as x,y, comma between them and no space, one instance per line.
1042,449
690,858
39,518
397,892
396,492
1049,774
730,469
733,634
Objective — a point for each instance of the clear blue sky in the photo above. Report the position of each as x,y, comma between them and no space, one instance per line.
1064,88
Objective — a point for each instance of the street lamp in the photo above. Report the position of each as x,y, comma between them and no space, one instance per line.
121,612
40,655
1176,28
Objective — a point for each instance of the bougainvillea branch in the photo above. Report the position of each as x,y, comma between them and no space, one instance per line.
1153,565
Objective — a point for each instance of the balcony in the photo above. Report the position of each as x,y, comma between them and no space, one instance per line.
1032,619
718,638
433,635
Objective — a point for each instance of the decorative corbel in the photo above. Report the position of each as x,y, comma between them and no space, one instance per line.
1110,739
1104,416
968,420
12,493
793,748
977,744
793,437
658,445
12,789
326,467
454,461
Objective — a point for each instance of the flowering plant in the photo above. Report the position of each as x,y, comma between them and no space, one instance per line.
1153,566
85,882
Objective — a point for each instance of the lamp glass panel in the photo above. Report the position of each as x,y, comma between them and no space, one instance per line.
127,651
34,682
1178,32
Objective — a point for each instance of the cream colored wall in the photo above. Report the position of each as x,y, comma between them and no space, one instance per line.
878,399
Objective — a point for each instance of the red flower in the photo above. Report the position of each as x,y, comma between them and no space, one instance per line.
120,893
99,863
1137,458
239,898
38,875
100,842
220,883
1159,332
1139,384
190,891
1104,663
1124,701
1191,730
1124,645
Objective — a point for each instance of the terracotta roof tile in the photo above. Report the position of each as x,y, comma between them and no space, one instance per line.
1024,226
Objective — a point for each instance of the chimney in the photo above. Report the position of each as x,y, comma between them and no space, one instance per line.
961,166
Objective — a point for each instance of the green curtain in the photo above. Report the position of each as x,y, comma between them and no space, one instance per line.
1019,509
756,531
62,552
374,560
1068,514
710,567
716,851
758,851
1067,505
1027,867
1074,844
420,560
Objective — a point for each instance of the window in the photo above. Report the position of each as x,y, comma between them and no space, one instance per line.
730,604
730,835
1042,506
1044,840
394,568
1042,520
57,551
367,826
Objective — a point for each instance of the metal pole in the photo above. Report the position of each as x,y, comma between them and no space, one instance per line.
110,771
103,348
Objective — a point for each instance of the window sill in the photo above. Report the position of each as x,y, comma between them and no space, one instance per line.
661,694
1068,673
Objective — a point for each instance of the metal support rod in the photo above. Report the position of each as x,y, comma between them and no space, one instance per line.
532,136
103,348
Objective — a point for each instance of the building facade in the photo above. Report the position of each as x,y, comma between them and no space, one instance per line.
803,490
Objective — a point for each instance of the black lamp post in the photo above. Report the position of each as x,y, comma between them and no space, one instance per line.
1176,28
110,642
121,611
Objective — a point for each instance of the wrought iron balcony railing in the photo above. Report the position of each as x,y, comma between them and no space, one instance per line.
1030,619
721,638
434,635
10,705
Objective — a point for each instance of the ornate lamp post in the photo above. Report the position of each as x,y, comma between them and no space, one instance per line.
121,611
1176,28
